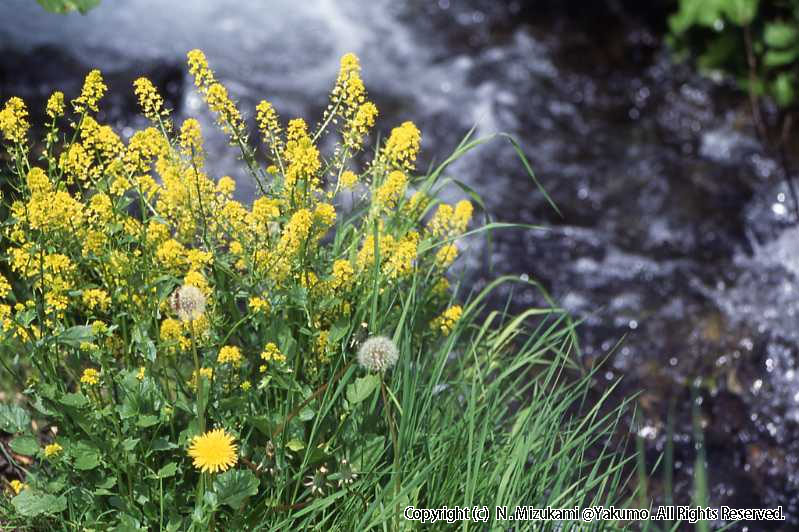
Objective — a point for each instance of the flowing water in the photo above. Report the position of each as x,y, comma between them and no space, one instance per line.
676,233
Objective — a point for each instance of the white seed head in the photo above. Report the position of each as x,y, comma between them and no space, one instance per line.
378,353
188,302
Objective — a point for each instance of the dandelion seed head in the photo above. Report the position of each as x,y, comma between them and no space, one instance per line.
378,353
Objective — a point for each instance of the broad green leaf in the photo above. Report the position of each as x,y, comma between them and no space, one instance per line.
784,89
24,445
235,486
295,445
776,58
85,457
741,12
168,470
76,400
129,444
30,503
162,444
75,336
14,419
362,388
780,34
306,414
147,421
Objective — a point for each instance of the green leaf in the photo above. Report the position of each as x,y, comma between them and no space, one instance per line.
29,503
295,445
147,421
741,12
776,58
162,444
362,388
780,34
76,400
14,419
235,486
784,89
75,336
85,457
168,470
24,445
306,414
129,444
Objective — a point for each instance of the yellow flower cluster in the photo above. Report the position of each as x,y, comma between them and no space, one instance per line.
13,120
402,146
229,355
55,105
390,192
150,101
447,320
52,450
348,99
269,126
348,179
302,158
271,353
90,377
93,90
448,221
259,306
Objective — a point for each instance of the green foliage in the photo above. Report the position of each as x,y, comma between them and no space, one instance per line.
757,43
198,356
65,6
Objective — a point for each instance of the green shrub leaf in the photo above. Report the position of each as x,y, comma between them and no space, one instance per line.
14,419
235,486
780,34
24,445
362,388
31,504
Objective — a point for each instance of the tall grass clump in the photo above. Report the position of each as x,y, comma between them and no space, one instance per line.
186,362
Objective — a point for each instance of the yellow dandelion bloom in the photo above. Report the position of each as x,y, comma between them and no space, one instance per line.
52,450
214,451
17,486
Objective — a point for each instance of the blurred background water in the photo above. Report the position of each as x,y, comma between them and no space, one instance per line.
677,233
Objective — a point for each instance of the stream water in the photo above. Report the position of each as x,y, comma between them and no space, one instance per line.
677,231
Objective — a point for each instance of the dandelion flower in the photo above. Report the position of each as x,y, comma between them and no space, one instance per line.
17,486
378,353
213,451
188,302
52,450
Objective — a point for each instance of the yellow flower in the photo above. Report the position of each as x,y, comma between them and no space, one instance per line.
446,322
389,193
402,146
271,353
90,377
93,90
142,372
258,305
96,298
52,450
245,386
150,101
198,67
446,255
229,354
17,486
269,126
13,123
213,451
348,179
55,104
